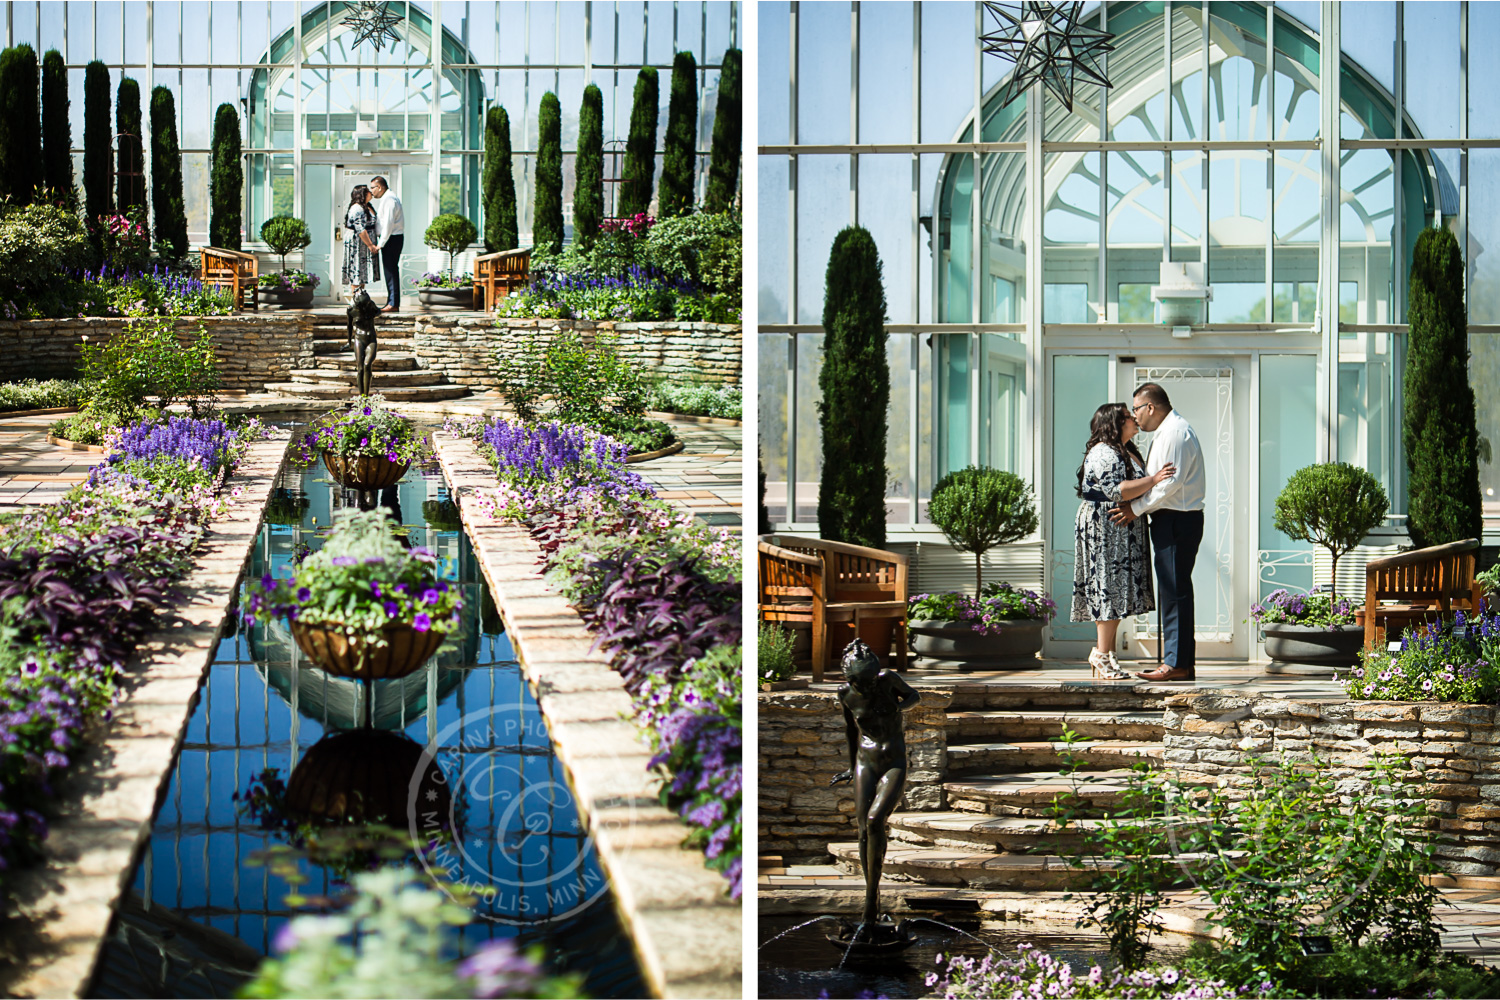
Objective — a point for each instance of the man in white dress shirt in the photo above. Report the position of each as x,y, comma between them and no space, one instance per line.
390,234
1176,508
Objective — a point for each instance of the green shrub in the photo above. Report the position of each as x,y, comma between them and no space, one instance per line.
639,169
39,242
639,434
57,133
167,206
97,141
978,508
1334,505
774,652
724,163
588,169
698,399
130,172
33,395
451,234
679,146
1439,428
97,421
284,234
148,358
856,387
442,515
500,228
20,128
591,381
287,506
226,179
547,218
700,248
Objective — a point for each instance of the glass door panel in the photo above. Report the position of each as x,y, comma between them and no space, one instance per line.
1076,380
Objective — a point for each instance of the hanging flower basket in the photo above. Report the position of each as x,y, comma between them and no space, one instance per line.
364,776
330,647
364,472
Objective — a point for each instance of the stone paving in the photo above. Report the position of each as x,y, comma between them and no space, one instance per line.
706,476
32,471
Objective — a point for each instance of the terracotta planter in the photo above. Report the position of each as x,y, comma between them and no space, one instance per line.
366,776
446,299
364,472
1016,646
296,298
405,651
1314,645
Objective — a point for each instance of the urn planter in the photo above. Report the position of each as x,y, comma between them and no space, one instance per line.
1017,645
1312,645
331,648
281,298
446,299
364,472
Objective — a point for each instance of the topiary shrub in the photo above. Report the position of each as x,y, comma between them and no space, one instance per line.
20,128
679,146
37,243
167,206
978,508
700,248
451,234
500,229
130,171
1333,505
284,234
547,219
226,180
588,169
639,169
97,144
724,163
57,133
856,388
1439,430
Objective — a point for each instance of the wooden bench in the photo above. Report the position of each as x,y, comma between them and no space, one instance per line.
842,590
1417,586
233,269
497,274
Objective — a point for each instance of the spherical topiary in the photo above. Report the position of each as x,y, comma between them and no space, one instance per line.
979,508
284,234
1333,505
451,234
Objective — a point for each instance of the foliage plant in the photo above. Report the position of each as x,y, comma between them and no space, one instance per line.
634,297
998,604
285,234
20,128
452,234
978,508
1034,974
31,394
38,242
855,383
1439,431
366,426
679,146
288,280
698,399
362,580
1454,659
701,249
639,169
547,217
57,135
774,652
442,515
1490,581
724,162
588,167
441,279
124,243
97,142
130,173
1334,505
226,180
167,206
500,228
146,358
1287,607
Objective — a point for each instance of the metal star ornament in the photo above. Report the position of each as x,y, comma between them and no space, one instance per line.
372,22
1048,43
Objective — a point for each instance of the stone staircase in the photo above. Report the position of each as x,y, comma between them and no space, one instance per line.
1004,773
396,375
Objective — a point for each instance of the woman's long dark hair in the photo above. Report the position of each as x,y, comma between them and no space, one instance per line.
357,197
1108,427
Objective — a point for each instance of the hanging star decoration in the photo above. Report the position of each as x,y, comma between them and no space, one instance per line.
372,22
1047,43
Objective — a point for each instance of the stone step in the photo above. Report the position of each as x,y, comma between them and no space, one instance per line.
341,346
1014,834
1084,694
1013,724
384,362
380,380
981,870
1032,793
405,394
996,758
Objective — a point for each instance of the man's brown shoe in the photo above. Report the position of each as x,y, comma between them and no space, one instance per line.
1167,674
388,309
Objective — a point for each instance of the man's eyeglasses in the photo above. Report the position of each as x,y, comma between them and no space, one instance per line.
1137,409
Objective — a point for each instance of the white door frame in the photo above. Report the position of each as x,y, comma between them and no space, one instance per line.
343,182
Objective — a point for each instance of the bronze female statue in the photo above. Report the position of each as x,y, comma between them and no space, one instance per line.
873,701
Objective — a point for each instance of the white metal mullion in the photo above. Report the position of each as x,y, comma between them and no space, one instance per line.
588,43
1103,173
1270,92
146,170
1035,120
914,425
854,111
1398,227
1463,133
1205,135
1166,133
297,144
791,351
1330,101
435,188
976,314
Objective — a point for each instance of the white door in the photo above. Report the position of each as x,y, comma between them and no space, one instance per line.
345,178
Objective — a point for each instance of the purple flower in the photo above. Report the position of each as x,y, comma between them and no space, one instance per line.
391,608
303,593
421,623
430,596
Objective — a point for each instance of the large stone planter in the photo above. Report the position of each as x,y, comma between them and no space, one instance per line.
404,652
278,298
446,299
1293,646
1016,646
364,472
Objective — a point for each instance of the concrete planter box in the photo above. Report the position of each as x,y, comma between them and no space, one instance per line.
1017,645
277,298
1314,645
446,299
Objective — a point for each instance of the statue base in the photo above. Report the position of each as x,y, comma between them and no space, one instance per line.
862,940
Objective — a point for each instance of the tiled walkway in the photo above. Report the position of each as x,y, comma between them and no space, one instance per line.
33,471
705,477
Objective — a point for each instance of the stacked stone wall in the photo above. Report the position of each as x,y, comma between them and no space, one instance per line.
465,348
1451,753
803,745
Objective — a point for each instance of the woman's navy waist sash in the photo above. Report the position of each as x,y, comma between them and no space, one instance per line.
1096,496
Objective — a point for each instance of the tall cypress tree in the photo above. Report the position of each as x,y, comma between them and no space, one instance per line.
20,125
678,149
226,180
547,217
500,229
1439,430
588,169
98,199
166,176
856,387
724,165
130,176
57,134
640,147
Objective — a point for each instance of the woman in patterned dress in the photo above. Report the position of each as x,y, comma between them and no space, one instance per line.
1112,563
361,255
